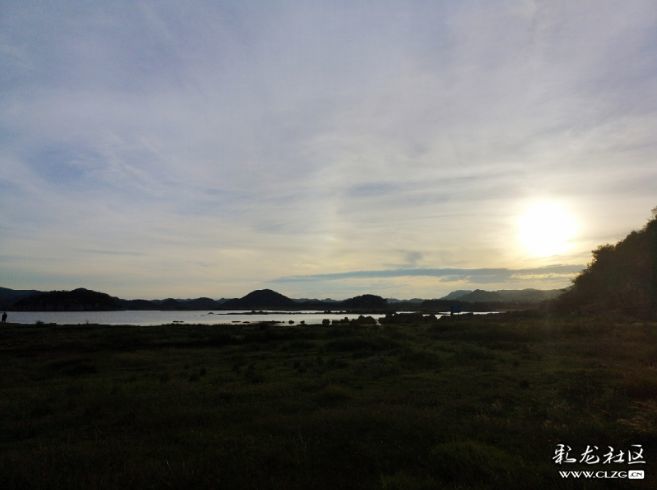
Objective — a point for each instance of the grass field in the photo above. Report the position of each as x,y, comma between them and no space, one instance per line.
464,403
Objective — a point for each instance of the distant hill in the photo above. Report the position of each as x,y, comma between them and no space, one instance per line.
202,303
366,301
260,299
621,278
85,300
10,296
77,300
263,299
139,304
503,296
407,301
458,294
172,304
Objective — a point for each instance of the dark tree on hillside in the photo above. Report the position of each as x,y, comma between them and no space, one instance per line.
621,277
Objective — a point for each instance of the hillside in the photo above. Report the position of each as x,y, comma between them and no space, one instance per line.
365,301
622,278
260,299
77,300
84,300
10,296
455,295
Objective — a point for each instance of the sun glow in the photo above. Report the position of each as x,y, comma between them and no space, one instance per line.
546,229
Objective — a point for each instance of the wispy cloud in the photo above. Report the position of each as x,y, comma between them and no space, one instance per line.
482,275
293,139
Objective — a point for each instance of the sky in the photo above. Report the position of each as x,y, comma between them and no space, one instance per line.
321,148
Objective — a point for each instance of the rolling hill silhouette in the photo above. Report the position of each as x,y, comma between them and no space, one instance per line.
365,301
260,299
77,300
10,296
83,299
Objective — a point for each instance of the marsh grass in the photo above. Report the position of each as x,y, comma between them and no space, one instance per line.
464,403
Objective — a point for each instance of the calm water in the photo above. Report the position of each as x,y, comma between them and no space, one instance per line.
151,317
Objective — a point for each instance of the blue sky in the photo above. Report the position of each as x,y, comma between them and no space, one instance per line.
319,148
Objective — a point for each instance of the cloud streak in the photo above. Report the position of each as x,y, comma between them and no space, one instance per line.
293,139
482,275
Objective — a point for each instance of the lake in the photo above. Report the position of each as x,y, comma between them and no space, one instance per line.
155,317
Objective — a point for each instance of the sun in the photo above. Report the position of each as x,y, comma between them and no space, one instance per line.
546,229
